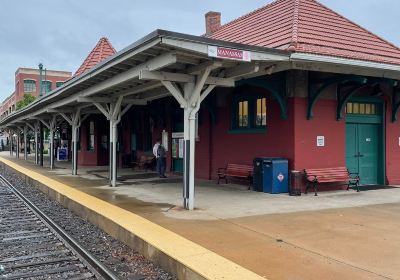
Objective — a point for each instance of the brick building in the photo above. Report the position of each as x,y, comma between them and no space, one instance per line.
27,82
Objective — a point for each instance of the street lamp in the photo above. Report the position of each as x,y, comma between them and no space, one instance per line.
40,78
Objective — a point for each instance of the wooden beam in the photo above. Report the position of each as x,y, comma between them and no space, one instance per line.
183,78
242,70
211,64
175,93
156,63
166,76
83,99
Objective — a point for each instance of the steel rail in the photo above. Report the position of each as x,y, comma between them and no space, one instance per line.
67,239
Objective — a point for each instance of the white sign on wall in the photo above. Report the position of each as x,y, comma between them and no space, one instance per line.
164,138
320,141
181,146
399,141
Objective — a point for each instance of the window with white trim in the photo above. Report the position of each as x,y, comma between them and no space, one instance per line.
29,86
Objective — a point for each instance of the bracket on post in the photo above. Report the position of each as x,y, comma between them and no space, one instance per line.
342,99
395,103
277,89
313,95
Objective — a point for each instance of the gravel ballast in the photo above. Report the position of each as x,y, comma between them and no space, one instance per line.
118,257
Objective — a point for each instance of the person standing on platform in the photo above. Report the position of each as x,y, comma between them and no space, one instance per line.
159,152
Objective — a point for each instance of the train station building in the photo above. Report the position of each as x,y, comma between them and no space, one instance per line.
292,79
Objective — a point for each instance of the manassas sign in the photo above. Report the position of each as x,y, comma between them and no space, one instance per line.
221,52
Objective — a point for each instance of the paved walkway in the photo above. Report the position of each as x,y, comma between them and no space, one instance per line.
337,235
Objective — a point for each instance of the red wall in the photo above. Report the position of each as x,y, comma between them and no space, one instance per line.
294,138
19,83
392,148
277,141
324,123
85,157
204,165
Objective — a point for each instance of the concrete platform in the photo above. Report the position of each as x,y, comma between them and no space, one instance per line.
337,235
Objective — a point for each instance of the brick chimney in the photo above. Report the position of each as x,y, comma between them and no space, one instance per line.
213,22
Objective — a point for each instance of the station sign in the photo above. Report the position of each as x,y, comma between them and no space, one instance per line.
226,53
177,134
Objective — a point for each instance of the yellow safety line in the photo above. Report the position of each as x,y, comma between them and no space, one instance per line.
199,259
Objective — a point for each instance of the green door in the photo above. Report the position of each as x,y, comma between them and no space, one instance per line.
368,146
362,151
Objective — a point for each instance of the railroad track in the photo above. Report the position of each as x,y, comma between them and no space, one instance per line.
32,246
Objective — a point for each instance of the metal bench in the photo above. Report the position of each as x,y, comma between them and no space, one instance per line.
240,171
315,176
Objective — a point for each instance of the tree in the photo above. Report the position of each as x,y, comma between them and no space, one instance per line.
28,98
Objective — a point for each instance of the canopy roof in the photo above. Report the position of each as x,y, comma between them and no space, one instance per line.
306,26
136,73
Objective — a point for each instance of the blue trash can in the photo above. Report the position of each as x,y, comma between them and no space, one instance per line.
270,175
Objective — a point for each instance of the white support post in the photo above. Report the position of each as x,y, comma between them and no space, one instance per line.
52,128
36,142
25,142
113,113
10,135
51,148
114,153
192,142
75,124
110,146
115,118
188,89
17,146
74,149
190,101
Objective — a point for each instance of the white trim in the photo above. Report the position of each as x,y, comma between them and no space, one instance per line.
32,80
345,61
202,48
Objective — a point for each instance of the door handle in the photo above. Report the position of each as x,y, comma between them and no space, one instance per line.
361,155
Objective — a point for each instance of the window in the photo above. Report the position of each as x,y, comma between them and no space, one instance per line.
261,112
361,108
29,85
46,87
58,84
249,112
243,114
90,140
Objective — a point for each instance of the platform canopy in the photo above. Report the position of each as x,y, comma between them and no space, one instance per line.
136,73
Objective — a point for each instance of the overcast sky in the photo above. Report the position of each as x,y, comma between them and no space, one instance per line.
61,33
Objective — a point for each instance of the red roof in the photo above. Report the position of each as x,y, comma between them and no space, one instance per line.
306,26
101,51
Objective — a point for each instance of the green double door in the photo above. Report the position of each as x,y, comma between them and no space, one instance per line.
363,151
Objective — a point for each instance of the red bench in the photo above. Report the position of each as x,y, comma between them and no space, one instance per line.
240,171
315,176
145,162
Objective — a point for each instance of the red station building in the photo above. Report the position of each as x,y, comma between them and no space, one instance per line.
273,115
332,102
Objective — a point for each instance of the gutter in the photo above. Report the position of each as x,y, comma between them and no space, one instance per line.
305,57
